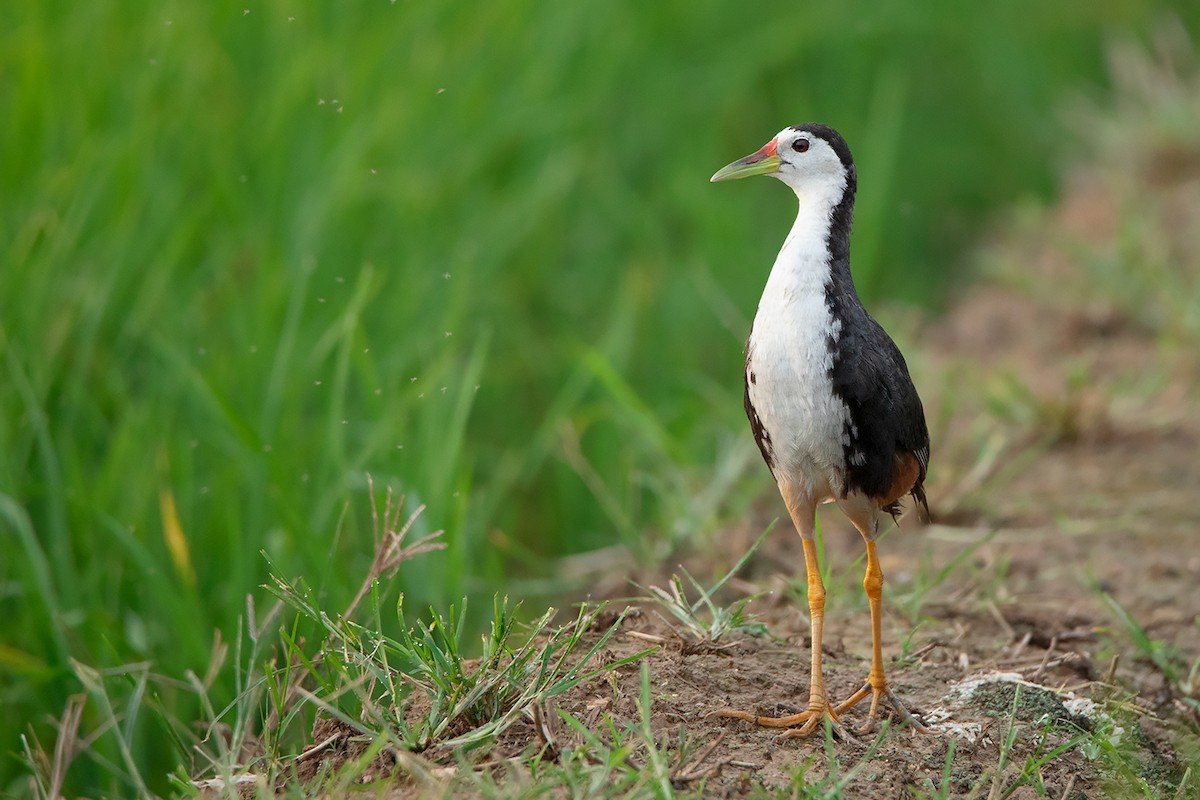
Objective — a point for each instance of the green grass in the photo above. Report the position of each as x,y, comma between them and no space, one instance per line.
417,701
399,695
250,252
703,618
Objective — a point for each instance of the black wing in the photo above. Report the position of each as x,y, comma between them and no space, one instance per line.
761,437
887,421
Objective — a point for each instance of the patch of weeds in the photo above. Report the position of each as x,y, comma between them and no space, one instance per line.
411,701
1030,771
1183,680
807,780
1138,764
1026,703
1135,765
605,759
703,617
1039,734
368,678
117,701
952,780
1011,771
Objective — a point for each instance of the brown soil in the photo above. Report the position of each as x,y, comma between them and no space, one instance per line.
1065,470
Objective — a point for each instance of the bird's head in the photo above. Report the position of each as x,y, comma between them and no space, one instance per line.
810,158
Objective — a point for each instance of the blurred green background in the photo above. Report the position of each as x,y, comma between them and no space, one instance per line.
254,251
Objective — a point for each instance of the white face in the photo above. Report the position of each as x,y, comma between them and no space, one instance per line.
807,162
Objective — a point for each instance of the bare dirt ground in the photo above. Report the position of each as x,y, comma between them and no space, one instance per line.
1066,470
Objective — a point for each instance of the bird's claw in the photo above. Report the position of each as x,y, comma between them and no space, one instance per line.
799,725
880,693
803,723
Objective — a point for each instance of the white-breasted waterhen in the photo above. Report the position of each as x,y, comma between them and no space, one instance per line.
828,394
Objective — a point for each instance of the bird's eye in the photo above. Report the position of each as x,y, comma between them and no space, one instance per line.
800,145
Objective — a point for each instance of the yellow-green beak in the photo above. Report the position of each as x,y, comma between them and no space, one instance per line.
763,162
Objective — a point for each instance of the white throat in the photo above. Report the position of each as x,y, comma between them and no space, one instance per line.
795,290
790,357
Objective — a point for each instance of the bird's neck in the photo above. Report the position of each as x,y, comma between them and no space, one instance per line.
815,258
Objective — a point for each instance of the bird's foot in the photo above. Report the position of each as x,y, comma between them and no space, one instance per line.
880,693
799,725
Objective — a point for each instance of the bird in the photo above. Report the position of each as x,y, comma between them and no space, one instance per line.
829,398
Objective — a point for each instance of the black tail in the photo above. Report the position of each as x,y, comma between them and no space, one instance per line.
918,495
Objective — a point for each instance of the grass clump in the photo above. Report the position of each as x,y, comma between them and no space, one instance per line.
1027,703
605,759
703,617
381,696
462,701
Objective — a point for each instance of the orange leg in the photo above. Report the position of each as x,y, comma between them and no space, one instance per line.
877,685
805,722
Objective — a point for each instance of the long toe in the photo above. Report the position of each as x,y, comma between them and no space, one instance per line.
816,722
796,726
901,711
881,695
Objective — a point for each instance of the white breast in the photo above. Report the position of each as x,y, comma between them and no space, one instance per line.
790,360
